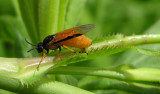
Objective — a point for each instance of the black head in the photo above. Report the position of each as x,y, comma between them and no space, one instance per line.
39,47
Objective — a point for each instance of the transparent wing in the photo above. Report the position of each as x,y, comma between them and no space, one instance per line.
84,28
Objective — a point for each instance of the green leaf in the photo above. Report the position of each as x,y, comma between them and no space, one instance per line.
141,74
144,74
73,12
48,17
41,87
68,79
59,88
13,33
148,52
62,14
95,83
30,9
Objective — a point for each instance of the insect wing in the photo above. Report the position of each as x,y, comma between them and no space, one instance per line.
84,28
72,33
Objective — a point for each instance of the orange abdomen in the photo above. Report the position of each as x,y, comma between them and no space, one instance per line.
78,42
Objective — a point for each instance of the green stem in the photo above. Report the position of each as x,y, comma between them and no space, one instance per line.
145,77
88,71
10,84
141,74
43,87
99,83
127,41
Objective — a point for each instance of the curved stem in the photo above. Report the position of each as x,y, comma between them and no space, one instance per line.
126,42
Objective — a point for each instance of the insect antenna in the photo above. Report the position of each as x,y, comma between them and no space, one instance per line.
29,42
31,49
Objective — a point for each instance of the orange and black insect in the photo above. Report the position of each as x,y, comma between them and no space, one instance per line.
72,37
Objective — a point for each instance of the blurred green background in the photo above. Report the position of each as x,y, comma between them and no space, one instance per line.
109,16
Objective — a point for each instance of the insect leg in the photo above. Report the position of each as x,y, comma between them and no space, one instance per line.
68,49
83,50
59,53
41,60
